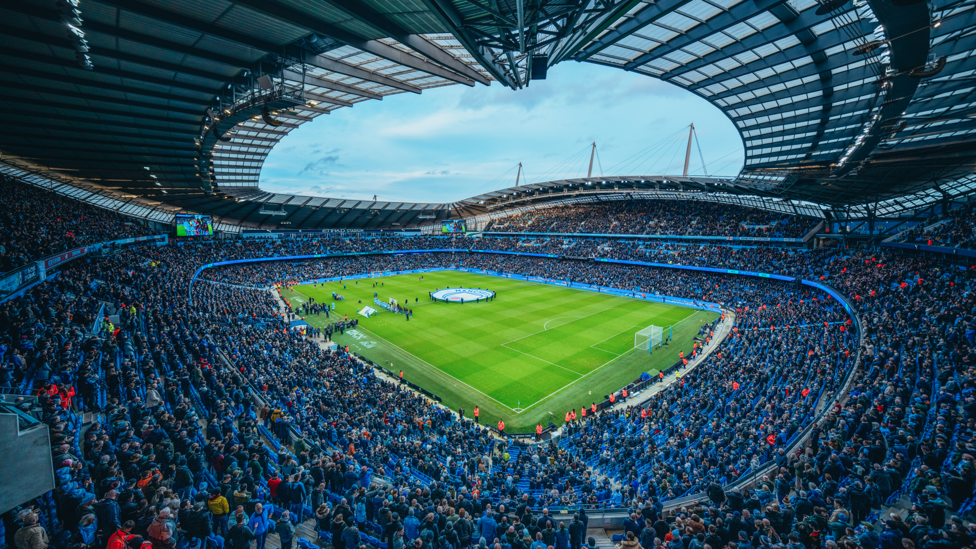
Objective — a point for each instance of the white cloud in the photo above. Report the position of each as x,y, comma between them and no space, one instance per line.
454,142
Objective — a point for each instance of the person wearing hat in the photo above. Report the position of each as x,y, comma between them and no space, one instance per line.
867,538
197,521
576,532
286,530
743,540
891,537
934,507
85,500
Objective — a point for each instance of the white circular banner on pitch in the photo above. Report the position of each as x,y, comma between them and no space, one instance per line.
462,294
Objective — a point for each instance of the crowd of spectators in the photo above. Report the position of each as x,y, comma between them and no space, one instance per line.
188,450
802,263
952,230
658,217
35,223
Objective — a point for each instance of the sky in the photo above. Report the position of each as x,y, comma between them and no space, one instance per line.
456,142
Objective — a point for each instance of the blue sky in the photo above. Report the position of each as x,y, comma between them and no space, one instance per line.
455,142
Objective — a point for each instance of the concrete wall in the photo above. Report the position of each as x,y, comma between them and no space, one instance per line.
26,470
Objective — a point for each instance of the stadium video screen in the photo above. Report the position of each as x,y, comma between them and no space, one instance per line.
194,225
453,227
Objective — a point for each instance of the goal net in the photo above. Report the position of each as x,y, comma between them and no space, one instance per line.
648,338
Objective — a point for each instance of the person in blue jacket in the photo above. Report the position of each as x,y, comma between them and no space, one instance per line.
260,524
487,526
562,536
411,526
360,512
349,478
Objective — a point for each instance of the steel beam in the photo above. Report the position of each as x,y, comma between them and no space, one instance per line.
390,53
323,83
333,65
451,19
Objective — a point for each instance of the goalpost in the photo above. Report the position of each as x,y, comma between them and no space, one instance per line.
649,337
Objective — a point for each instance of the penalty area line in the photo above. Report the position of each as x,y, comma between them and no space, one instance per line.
602,366
546,325
543,360
571,383
409,354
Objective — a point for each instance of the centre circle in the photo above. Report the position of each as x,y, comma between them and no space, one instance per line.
462,295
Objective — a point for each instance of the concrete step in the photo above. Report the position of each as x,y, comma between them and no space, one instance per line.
602,537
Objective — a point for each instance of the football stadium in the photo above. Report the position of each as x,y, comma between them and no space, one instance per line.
265,282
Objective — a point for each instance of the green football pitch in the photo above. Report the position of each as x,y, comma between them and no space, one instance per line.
535,350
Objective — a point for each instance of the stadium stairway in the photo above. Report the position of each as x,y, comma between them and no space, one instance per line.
305,530
602,537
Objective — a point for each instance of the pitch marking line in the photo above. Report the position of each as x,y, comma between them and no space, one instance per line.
521,410
680,321
598,368
594,346
546,325
570,322
391,344
616,355
544,360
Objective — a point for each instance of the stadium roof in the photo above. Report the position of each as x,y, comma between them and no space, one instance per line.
839,103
